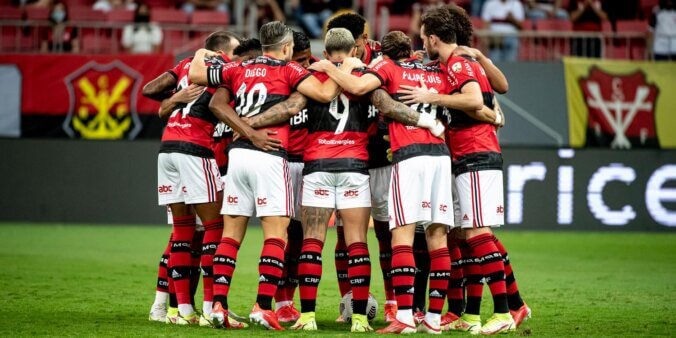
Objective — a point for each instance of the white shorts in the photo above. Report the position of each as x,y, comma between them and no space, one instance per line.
258,182
420,192
296,172
170,220
187,179
336,190
380,184
481,199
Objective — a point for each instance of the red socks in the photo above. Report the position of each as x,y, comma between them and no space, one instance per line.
270,268
225,260
341,262
289,281
440,272
493,269
385,246
180,260
513,296
474,276
310,273
213,230
403,275
455,294
162,277
359,274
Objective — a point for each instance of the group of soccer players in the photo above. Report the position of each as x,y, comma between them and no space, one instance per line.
261,128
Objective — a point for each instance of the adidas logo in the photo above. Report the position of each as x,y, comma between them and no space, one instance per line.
222,280
465,218
411,291
435,293
262,279
175,274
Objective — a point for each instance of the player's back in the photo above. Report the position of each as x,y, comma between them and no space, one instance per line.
337,133
467,136
190,127
259,84
409,141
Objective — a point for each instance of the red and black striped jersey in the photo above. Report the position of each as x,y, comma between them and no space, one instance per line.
473,143
371,54
377,146
190,128
410,141
298,136
257,85
337,133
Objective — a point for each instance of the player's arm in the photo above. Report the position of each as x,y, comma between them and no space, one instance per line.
185,95
404,114
158,88
319,91
198,69
220,107
495,76
281,112
342,76
468,100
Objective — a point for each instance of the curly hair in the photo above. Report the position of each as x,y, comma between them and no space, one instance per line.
249,46
461,22
355,23
300,42
396,45
438,22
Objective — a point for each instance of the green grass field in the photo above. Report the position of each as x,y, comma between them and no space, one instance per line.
96,280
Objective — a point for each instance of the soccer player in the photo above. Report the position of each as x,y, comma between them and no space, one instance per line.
336,177
369,52
284,306
477,166
258,178
186,145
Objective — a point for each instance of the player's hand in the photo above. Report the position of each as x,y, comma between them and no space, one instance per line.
351,63
419,54
322,66
261,139
372,43
413,95
498,110
467,51
438,129
188,94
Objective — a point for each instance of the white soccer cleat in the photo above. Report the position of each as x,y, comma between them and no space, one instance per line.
158,313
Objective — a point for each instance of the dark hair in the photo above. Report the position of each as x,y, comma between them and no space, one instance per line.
462,25
396,45
272,34
438,22
248,46
221,40
355,23
300,42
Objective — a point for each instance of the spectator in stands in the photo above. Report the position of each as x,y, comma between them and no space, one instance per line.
142,36
416,12
663,23
545,9
312,14
477,7
32,3
587,16
190,6
268,10
60,37
109,5
504,17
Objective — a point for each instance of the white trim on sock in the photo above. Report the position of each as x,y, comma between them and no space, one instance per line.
406,317
206,308
279,305
185,309
161,297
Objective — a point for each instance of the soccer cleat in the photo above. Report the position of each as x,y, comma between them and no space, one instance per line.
306,322
360,323
187,319
266,318
499,323
172,315
398,327
220,319
390,312
205,320
340,319
521,315
466,323
447,319
418,317
158,313
287,314
427,328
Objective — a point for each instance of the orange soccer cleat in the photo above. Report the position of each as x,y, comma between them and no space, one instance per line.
267,318
398,327
390,312
520,315
287,314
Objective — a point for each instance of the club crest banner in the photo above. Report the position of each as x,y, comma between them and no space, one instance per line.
621,104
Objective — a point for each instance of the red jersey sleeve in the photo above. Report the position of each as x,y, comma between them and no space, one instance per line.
222,75
460,73
177,69
322,77
295,74
383,71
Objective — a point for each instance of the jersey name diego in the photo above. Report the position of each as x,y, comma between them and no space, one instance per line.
409,141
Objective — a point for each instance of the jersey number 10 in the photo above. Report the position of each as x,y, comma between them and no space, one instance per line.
249,104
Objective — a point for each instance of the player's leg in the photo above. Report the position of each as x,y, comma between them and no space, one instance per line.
517,307
485,189
195,255
180,260
456,292
341,258
422,263
353,199
379,180
158,311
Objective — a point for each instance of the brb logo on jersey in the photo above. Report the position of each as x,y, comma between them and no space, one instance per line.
102,103
621,109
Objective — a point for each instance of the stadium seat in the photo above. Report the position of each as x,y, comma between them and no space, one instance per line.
163,15
400,23
477,23
78,3
97,45
553,25
10,13
552,48
37,13
210,18
173,39
636,46
638,26
120,15
160,3
79,14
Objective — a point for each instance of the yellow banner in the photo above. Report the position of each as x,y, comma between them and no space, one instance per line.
621,104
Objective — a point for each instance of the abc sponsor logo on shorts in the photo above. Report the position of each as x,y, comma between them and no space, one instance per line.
164,189
500,210
443,208
261,201
232,199
426,205
351,194
321,192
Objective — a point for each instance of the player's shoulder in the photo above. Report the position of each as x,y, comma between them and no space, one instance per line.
384,63
461,64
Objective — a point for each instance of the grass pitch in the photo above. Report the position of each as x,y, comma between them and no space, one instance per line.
99,280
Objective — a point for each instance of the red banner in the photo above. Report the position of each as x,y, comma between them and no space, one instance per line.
96,97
